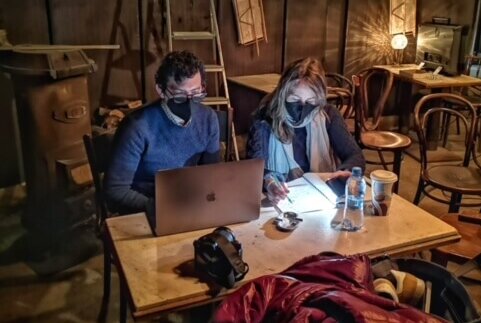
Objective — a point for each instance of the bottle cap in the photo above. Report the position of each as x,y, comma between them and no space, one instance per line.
357,171
383,176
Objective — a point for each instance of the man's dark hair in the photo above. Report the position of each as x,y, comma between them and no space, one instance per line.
179,66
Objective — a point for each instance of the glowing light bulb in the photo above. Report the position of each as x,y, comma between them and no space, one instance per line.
399,41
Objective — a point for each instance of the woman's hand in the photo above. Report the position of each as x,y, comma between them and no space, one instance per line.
341,174
276,190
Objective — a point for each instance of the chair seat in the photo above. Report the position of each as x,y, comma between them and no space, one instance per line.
466,180
385,140
470,244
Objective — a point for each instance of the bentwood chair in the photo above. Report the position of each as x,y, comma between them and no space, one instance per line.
335,80
372,89
340,93
458,179
98,154
472,67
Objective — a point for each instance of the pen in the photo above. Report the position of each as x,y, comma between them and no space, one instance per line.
280,185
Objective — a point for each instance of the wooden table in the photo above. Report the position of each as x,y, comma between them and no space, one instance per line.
439,83
246,92
153,269
427,81
265,83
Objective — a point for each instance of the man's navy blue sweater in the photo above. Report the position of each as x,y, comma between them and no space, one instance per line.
148,141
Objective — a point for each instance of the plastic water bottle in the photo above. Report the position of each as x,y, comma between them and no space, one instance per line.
353,218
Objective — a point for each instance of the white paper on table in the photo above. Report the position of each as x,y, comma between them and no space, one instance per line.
308,193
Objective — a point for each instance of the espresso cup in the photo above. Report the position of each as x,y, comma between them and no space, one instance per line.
381,188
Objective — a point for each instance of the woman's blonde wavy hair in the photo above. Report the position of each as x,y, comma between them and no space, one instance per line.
273,106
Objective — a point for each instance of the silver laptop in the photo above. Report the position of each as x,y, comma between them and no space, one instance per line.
194,198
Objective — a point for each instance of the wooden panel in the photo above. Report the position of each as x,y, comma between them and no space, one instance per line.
186,16
243,60
25,22
155,43
333,48
103,22
306,29
368,41
461,12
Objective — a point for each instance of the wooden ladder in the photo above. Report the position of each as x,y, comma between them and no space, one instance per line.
219,68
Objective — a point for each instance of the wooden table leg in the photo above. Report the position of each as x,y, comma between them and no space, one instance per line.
123,303
404,105
434,125
397,169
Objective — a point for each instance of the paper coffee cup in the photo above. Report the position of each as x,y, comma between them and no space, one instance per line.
381,189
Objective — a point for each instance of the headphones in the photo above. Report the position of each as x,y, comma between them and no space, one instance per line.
219,254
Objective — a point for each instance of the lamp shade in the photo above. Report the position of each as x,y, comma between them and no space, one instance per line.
399,41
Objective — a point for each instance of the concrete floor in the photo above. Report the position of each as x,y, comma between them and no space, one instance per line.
75,295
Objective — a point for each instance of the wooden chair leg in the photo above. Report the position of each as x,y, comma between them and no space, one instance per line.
102,317
383,161
397,169
445,128
123,303
419,191
454,202
439,257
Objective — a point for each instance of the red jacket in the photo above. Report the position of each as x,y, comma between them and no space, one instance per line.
323,288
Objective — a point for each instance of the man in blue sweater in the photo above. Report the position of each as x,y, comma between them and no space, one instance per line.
174,132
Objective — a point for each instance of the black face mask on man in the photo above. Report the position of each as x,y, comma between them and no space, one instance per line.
298,111
182,110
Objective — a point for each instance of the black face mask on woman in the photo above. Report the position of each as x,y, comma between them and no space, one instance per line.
299,111
182,110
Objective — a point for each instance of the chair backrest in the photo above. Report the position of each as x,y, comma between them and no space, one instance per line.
372,89
439,104
98,153
340,93
342,99
339,81
225,118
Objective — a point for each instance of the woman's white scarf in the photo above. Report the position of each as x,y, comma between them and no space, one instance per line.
319,151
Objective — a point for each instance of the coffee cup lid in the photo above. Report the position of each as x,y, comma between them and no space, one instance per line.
383,176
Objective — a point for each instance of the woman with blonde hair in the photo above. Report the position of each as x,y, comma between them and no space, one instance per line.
296,131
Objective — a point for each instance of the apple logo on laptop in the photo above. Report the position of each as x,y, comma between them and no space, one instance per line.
210,197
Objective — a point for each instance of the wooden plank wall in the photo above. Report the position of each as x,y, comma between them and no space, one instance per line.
305,30
367,41
340,32
103,22
243,60
28,23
